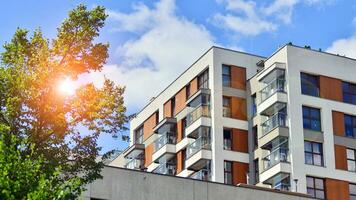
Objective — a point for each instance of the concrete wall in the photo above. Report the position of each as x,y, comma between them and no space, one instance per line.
124,184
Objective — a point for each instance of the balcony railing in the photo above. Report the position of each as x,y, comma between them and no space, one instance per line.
277,120
278,155
166,168
135,164
165,138
197,145
282,186
226,112
277,85
203,175
201,111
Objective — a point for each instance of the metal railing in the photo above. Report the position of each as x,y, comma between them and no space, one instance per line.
277,85
203,175
227,112
277,120
166,168
278,155
134,164
201,111
197,145
282,186
165,138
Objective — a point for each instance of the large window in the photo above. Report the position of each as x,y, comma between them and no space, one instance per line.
352,191
226,106
311,118
203,80
139,135
315,187
227,172
351,159
313,153
254,105
310,84
227,139
349,92
257,171
350,126
226,75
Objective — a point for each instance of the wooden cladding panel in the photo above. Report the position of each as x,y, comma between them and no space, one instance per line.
338,123
167,109
330,88
148,154
180,100
336,189
149,124
180,160
340,157
238,77
179,130
238,108
239,171
239,140
194,86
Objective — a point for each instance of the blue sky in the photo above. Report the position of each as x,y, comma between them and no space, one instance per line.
152,42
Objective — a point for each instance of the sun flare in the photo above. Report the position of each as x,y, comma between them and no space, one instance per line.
66,87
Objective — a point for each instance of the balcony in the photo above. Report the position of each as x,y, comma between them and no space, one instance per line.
197,145
280,181
201,111
164,146
136,164
198,154
277,120
203,175
165,138
278,155
282,186
166,168
276,85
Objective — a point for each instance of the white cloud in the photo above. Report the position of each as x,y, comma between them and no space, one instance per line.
167,44
345,47
283,9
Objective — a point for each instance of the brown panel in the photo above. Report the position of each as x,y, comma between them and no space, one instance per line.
179,130
338,123
238,77
167,109
239,140
148,154
180,100
340,157
239,171
336,189
180,161
148,125
238,108
330,88
193,86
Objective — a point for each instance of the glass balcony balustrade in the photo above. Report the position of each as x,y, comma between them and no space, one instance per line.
277,120
277,85
197,145
201,111
203,175
278,155
282,186
165,138
135,164
166,168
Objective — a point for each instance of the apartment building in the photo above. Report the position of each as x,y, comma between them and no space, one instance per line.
286,122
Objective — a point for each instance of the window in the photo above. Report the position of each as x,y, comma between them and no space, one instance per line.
315,187
351,159
352,191
310,84
226,75
254,105
157,117
227,172
184,126
255,136
203,80
311,118
257,171
350,126
173,106
187,91
313,153
349,92
227,139
226,106
139,135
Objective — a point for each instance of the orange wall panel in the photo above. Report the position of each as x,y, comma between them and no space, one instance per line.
179,130
238,108
193,86
338,123
180,161
239,140
148,125
180,100
148,154
238,77
340,157
336,189
239,171
167,109
330,88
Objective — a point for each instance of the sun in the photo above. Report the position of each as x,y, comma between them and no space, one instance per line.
67,87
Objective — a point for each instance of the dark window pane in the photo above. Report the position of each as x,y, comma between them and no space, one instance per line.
315,125
310,182
310,192
319,194
316,147
226,70
317,160
352,189
308,158
315,113
319,183
308,146
306,124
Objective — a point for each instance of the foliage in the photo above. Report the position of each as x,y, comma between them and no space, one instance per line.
43,153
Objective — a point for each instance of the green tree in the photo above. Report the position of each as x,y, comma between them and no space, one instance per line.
43,155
